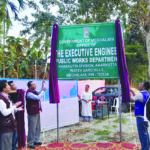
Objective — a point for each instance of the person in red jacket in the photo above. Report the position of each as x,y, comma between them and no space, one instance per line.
33,105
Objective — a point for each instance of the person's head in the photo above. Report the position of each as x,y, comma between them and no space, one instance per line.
4,87
144,86
12,85
87,87
31,85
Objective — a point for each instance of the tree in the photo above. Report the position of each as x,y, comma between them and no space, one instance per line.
93,11
17,49
140,15
5,20
18,59
5,7
137,62
41,29
36,62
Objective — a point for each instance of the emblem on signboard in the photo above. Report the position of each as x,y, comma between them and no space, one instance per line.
86,32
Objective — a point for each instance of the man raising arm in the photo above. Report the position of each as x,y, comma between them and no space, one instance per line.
33,105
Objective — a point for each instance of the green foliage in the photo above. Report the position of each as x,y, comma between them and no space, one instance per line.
103,138
89,141
114,126
140,15
21,52
137,62
98,121
139,27
118,120
107,127
6,8
102,132
83,11
18,59
106,118
41,25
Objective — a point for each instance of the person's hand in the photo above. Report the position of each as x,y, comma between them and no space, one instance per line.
132,92
20,108
79,97
43,82
89,100
17,104
44,89
14,91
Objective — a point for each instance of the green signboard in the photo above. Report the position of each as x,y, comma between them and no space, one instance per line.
87,52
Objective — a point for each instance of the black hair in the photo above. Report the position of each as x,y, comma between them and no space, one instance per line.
2,85
146,85
10,82
87,85
29,84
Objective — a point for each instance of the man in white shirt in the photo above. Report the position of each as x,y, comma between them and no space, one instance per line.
33,105
7,120
86,98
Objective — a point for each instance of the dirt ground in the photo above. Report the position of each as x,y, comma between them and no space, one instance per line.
99,130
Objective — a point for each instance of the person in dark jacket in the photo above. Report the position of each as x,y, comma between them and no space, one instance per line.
33,105
7,119
13,97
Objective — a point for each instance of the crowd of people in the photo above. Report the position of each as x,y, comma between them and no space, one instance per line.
9,107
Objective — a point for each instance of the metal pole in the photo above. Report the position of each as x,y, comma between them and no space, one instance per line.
119,95
57,123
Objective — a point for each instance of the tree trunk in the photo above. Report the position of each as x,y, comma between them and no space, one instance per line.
35,70
18,70
4,70
148,51
4,49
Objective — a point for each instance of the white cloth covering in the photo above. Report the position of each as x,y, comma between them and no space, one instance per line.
86,107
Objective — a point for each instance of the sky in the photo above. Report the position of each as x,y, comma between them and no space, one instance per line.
17,26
